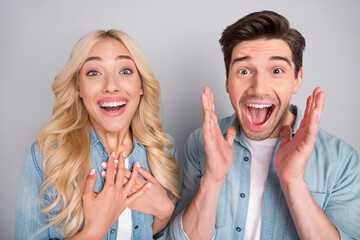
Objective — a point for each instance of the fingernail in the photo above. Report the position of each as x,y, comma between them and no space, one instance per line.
103,173
113,154
92,171
116,161
103,164
124,155
148,185
138,164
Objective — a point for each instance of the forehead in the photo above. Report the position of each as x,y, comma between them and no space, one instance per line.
109,47
262,49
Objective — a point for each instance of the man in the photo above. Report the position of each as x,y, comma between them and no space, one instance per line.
267,172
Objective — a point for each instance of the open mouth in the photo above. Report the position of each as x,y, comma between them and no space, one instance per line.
112,106
258,114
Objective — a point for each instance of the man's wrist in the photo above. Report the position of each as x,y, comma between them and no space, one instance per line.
210,189
297,185
207,181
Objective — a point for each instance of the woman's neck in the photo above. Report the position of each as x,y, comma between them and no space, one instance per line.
117,142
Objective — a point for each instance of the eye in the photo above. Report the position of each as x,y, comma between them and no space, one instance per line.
126,71
92,73
277,71
244,71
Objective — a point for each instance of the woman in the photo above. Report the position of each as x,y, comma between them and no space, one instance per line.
105,115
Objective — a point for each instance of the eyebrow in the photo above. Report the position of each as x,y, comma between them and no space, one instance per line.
99,58
282,59
240,59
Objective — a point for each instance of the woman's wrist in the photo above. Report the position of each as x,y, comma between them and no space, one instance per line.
166,211
162,218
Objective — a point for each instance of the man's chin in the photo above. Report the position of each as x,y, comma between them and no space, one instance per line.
269,129
258,135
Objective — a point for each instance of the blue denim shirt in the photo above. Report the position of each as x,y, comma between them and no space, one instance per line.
332,174
29,220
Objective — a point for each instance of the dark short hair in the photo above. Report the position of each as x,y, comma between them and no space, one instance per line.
258,25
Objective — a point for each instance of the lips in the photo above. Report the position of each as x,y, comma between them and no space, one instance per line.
258,114
112,106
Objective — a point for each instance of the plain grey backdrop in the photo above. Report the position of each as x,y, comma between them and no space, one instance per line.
180,40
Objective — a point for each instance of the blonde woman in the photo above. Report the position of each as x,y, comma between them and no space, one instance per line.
105,116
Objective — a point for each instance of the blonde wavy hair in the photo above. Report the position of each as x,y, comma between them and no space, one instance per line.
65,139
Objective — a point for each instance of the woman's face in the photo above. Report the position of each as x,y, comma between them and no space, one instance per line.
110,86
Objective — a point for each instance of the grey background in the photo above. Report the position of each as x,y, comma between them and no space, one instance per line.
180,40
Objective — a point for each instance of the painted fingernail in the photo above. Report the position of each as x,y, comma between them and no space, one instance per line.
103,173
116,161
113,154
92,171
103,164
124,155
149,185
138,164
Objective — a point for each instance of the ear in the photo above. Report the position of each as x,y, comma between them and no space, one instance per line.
298,81
79,92
227,84
141,89
141,86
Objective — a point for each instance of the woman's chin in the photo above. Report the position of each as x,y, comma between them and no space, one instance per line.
110,127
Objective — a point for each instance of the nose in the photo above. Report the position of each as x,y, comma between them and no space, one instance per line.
111,84
259,85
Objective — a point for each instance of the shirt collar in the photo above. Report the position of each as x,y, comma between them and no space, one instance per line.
298,117
95,139
233,121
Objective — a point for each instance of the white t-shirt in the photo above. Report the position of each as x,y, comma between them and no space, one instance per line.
261,152
125,221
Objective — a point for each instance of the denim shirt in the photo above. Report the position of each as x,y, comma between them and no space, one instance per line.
332,174
29,220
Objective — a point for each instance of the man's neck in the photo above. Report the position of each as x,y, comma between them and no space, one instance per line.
289,120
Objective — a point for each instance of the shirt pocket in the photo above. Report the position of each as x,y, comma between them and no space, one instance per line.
289,231
49,197
221,212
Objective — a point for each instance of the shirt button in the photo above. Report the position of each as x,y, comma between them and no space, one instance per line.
246,159
112,231
242,195
136,227
238,229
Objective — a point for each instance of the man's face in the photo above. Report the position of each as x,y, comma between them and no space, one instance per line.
260,84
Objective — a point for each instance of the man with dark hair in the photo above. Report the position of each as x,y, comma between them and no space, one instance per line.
266,172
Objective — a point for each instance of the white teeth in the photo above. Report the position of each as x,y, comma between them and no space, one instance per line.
249,116
259,105
112,104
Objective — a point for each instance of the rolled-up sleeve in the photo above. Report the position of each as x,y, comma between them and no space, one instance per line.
176,228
